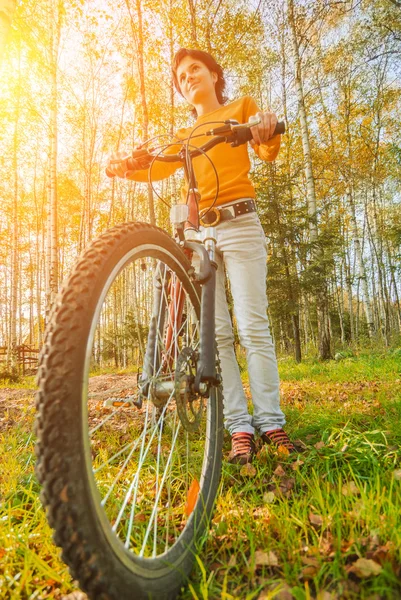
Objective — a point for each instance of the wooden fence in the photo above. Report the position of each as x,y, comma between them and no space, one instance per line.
26,357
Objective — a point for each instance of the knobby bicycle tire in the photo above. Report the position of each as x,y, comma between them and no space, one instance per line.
97,558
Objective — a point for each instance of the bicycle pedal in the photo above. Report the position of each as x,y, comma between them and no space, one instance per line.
127,402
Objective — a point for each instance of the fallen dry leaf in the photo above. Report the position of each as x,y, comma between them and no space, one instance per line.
325,595
316,519
300,444
286,484
283,451
326,545
319,445
233,561
365,567
346,545
281,591
269,497
397,474
279,471
374,539
266,558
380,555
308,572
310,561
295,465
247,470
140,517
350,489
261,514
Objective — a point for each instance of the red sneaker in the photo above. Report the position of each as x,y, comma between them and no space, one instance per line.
279,439
242,448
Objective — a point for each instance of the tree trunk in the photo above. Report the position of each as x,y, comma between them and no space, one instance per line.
192,13
295,314
317,253
145,116
53,266
171,49
351,202
12,337
340,309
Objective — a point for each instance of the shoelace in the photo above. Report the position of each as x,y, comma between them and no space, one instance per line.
280,438
241,443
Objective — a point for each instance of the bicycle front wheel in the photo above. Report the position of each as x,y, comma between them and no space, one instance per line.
129,475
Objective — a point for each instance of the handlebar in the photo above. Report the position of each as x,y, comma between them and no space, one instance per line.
231,132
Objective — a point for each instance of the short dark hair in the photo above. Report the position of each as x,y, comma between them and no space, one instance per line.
208,60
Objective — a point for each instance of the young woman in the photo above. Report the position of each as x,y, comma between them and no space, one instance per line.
241,247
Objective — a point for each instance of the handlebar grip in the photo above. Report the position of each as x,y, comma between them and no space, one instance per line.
279,129
245,135
132,164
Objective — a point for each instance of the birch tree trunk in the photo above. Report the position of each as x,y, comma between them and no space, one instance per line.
296,305
317,254
351,203
192,13
171,50
53,236
361,264
145,116
12,337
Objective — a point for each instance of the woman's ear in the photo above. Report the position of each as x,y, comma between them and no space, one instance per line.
214,77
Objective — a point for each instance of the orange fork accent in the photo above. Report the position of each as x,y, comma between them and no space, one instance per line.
176,307
192,497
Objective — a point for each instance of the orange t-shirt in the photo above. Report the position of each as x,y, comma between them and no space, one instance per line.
232,164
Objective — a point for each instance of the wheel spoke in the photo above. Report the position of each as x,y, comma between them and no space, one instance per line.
158,494
134,443
116,479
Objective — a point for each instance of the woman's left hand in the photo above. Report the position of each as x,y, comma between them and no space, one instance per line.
265,129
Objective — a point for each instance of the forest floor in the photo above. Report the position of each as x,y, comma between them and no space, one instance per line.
325,525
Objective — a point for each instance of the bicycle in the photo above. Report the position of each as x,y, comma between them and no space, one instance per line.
129,484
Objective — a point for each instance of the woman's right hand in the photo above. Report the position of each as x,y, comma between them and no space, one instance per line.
117,165
139,159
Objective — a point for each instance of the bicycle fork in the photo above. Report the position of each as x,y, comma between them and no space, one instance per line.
166,286
206,248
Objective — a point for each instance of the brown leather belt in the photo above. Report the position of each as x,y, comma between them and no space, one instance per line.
209,217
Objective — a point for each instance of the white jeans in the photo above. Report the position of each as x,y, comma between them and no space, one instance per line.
241,249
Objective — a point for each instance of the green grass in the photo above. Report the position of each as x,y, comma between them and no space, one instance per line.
26,383
366,367
312,519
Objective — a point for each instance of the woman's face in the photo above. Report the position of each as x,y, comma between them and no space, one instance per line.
195,80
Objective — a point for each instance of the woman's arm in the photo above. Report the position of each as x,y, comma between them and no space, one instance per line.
118,165
160,170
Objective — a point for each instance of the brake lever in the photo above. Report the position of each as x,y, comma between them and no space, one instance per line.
240,136
239,126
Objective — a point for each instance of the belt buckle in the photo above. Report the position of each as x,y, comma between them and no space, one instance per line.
209,210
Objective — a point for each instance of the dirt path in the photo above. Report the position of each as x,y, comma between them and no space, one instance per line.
15,403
